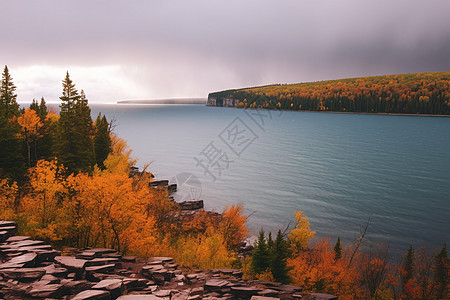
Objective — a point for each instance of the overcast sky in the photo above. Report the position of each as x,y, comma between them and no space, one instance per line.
118,50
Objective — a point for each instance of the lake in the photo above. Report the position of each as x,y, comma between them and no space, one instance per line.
339,169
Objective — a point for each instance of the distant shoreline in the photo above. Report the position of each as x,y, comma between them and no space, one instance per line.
166,101
339,112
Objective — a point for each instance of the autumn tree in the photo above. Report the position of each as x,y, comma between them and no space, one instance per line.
30,125
232,226
299,236
46,218
8,199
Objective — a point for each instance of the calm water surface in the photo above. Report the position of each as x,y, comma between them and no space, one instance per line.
339,169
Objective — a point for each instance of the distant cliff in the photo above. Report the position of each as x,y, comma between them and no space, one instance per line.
220,101
417,93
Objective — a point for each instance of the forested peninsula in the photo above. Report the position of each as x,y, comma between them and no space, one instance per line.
415,93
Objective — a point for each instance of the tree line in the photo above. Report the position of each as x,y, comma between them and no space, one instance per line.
28,135
417,93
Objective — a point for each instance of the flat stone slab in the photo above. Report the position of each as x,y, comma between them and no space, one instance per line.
215,284
101,251
57,272
320,296
18,238
131,259
245,291
92,295
264,298
23,274
46,291
108,284
7,224
138,297
101,269
26,260
101,261
26,243
163,259
71,262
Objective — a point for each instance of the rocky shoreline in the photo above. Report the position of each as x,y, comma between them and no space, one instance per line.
31,269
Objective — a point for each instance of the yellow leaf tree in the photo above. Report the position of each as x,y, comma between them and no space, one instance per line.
299,236
30,124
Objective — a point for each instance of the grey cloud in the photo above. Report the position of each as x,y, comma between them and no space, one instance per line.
189,48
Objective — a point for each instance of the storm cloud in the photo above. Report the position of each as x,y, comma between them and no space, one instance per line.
134,49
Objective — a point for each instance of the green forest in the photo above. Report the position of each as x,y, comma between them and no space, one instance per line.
416,93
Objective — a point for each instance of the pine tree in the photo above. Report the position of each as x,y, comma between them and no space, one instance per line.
102,140
338,249
75,145
260,255
85,150
441,273
8,104
40,108
408,266
12,162
278,261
